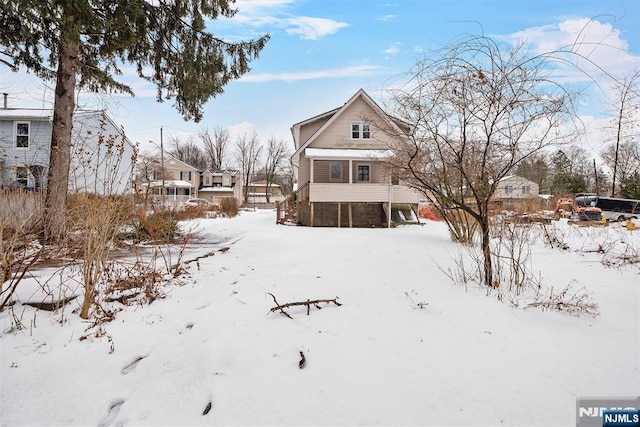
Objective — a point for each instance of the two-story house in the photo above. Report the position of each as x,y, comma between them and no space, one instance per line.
219,184
343,178
174,181
101,155
516,187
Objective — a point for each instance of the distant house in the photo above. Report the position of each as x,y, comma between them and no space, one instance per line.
258,192
101,156
340,160
516,187
174,181
219,184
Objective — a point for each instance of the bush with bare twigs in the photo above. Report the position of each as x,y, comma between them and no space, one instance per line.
229,206
20,214
515,280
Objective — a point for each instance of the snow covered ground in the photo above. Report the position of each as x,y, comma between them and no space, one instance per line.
406,347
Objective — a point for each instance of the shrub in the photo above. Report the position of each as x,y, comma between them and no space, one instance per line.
160,226
229,206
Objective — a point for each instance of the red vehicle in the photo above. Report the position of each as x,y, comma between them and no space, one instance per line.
567,208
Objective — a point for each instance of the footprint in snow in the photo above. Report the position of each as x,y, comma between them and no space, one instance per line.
187,328
114,409
131,366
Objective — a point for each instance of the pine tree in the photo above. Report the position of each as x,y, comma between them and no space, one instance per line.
83,44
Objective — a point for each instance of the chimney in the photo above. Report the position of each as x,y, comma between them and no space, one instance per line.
5,95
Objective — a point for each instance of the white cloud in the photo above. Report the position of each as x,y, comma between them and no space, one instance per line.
386,18
310,28
241,129
355,71
593,49
271,13
392,50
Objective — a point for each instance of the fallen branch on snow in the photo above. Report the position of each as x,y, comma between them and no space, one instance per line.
308,303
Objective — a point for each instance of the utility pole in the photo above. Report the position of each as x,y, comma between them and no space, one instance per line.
164,190
595,171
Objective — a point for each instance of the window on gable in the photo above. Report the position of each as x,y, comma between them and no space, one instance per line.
185,175
22,134
363,173
207,181
360,130
508,190
335,172
526,189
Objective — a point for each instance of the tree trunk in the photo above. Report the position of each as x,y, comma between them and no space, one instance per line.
486,254
483,222
60,156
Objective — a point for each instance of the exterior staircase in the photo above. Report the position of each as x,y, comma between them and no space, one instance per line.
289,207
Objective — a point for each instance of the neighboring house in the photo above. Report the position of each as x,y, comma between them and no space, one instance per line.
219,184
174,181
101,155
516,187
258,192
340,157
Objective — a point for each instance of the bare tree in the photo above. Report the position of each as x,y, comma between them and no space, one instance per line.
474,111
215,146
248,151
623,154
287,177
277,152
148,168
189,152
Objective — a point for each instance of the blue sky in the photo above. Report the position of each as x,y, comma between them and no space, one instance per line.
322,51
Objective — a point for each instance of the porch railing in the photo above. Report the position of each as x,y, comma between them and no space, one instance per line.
289,207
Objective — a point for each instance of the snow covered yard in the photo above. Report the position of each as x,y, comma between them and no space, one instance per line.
406,347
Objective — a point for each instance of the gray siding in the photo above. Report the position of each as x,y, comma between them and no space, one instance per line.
101,155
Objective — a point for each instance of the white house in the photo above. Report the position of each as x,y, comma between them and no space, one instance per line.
516,187
101,158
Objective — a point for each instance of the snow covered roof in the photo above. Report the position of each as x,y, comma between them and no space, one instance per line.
25,113
345,153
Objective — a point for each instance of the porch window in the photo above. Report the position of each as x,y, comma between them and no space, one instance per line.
335,172
22,134
363,173
360,130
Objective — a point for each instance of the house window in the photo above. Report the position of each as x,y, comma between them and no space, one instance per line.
226,181
207,181
22,134
508,190
335,172
22,176
363,173
360,130
526,189
157,175
185,176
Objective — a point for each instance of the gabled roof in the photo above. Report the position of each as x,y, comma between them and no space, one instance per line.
180,161
333,116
